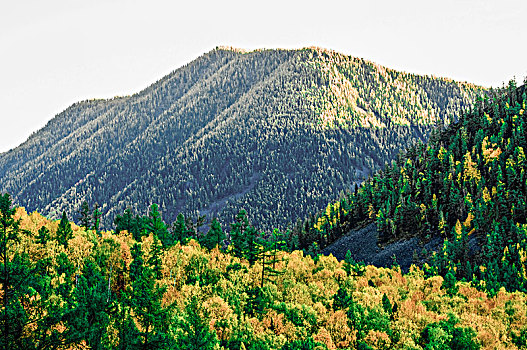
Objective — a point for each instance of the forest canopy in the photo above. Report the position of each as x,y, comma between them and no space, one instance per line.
107,290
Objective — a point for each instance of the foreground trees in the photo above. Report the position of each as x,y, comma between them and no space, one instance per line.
109,291
30,309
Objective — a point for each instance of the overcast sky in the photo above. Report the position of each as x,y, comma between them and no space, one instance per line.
54,53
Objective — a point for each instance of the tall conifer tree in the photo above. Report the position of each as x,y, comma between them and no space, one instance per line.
64,231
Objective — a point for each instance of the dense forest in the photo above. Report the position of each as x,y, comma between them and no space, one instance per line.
467,185
67,287
278,132
149,285
237,149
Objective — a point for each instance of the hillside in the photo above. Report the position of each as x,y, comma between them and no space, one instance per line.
466,187
278,132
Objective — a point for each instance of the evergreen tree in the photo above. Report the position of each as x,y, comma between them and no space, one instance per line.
179,231
43,235
269,255
244,238
127,222
144,299
154,223
96,218
215,236
90,316
85,216
238,234
12,313
351,267
253,245
449,283
64,231
25,291
342,299
128,335
386,305
155,261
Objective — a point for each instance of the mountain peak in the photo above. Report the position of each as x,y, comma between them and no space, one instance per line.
225,131
230,48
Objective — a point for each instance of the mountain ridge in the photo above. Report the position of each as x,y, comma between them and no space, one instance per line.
303,100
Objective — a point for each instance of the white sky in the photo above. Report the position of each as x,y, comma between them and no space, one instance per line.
56,52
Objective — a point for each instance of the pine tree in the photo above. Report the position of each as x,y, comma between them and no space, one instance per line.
155,225
386,305
96,218
252,245
449,283
11,309
64,231
128,335
351,267
155,261
85,217
215,236
127,222
244,238
179,231
43,235
90,316
144,298
269,255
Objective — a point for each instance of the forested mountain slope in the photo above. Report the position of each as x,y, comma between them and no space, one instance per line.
279,132
467,184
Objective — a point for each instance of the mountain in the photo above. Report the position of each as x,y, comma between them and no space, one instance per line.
464,194
279,132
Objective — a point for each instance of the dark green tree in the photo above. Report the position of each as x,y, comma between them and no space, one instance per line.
12,310
128,335
144,299
155,262
268,255
179,230
352,267
43,235
64,231
130,223
238,234
25,291
342,299
386,304
215,236
154,223
449,283
90,317
85,216
96,221
244,238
